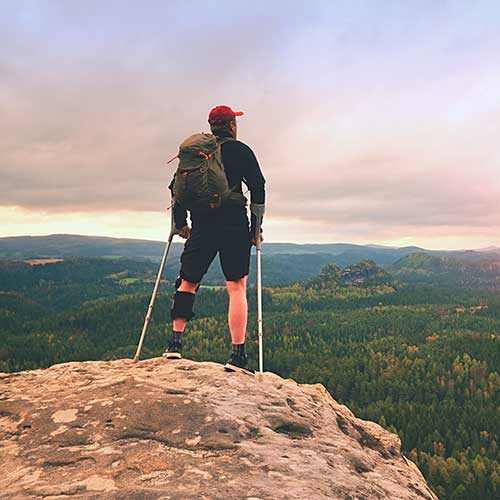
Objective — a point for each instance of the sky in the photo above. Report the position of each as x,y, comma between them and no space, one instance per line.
373,121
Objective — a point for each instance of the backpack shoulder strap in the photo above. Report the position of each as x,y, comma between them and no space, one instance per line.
222,140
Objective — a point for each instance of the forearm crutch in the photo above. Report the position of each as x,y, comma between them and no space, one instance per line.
258,210
149,313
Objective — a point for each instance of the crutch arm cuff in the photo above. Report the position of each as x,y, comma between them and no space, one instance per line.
258,210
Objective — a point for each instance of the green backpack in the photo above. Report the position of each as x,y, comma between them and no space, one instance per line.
200,182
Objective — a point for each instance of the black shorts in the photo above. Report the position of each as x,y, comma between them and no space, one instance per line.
233,243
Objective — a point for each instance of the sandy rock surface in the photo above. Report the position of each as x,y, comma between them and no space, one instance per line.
182,430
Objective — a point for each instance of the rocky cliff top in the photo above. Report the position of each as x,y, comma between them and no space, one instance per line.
182,430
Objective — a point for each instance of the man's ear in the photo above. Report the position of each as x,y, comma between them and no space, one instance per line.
233,126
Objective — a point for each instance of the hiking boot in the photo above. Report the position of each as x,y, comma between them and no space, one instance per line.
237,363
173,351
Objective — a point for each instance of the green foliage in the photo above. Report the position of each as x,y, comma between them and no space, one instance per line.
425,268
422,360
363,274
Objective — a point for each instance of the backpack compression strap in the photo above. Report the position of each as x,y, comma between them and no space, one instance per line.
233,197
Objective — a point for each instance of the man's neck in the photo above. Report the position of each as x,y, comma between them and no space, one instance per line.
225,133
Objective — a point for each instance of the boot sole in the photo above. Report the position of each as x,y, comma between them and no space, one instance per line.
173,355
233,368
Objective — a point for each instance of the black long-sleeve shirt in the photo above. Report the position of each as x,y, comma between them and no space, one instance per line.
240,165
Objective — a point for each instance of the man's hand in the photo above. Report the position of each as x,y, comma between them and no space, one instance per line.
184,232
261,239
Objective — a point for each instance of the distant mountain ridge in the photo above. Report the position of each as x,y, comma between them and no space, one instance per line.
72,245
283,263
490,249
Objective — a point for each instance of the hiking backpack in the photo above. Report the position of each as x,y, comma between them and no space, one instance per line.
200,182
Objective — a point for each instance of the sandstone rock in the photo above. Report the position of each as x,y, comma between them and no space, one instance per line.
181,430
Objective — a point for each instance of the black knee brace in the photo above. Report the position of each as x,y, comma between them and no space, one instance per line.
182,305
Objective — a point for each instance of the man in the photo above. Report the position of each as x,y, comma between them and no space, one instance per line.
225,231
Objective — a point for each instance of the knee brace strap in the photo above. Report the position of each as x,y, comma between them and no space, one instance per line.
182,305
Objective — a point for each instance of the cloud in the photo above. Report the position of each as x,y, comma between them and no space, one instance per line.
360,117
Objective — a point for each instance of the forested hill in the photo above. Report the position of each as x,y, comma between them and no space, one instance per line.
283,263
362,274
424,268
317,270
421,359
68,245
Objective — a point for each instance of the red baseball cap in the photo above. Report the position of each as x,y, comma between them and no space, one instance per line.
222,113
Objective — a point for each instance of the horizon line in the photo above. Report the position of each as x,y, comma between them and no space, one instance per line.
268,242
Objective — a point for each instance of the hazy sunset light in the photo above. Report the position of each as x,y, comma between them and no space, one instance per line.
374,122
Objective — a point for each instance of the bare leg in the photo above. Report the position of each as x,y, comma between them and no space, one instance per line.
180,323
238,309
